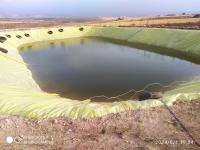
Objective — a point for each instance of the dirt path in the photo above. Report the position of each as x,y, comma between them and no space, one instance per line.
153,129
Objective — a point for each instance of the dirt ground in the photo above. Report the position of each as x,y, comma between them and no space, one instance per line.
152,129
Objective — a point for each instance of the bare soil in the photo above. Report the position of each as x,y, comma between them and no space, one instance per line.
152,129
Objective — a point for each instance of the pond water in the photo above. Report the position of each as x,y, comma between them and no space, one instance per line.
84,67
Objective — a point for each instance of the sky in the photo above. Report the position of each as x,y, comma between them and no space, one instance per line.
95,8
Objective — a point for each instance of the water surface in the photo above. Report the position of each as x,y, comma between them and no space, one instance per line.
81,68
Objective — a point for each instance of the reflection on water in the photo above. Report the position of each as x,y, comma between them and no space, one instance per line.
81,68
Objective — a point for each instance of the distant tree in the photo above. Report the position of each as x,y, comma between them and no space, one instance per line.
119,18
196,16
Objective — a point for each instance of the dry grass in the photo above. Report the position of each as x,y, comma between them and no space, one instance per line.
188,22
149,22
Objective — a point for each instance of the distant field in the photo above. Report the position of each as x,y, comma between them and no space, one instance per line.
9,23
181,22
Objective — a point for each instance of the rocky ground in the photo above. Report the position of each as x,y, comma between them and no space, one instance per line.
152,129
